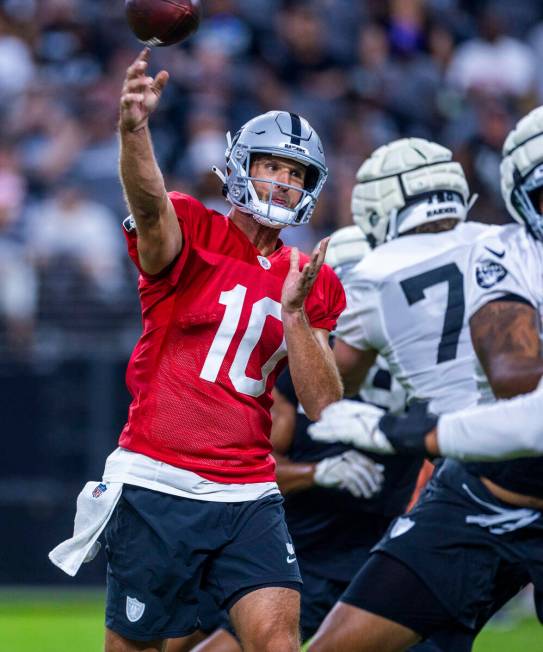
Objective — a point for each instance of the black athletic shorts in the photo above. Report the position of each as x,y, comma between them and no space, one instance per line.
163,551
472,552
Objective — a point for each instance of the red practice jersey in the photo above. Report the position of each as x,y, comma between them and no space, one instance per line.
212,345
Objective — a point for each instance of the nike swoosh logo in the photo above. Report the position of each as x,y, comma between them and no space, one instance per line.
500,254
291,560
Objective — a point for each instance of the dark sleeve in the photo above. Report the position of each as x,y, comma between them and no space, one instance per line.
285,386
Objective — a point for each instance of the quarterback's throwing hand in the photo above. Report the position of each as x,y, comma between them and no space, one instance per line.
351,471
298,283
353,423
141,93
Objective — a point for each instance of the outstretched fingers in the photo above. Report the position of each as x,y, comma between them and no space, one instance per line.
139,65
312,268
294,259
160,81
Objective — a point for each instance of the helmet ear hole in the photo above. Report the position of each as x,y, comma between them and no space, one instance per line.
311,178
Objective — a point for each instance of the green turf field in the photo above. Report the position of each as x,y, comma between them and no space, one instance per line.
71,621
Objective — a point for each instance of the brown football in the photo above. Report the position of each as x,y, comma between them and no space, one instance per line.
163,22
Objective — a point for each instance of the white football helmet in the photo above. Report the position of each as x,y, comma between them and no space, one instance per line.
346,248
406,183
278,133
522,171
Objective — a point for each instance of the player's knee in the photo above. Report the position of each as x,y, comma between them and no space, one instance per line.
318,645
268,639
282,643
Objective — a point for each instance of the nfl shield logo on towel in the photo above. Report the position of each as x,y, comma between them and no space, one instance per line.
134,609
99,490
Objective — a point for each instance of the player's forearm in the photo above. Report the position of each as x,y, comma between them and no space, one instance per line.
141,177
512,375
502,430
312,366
293,476
353,365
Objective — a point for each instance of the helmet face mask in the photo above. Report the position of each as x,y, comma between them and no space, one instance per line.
521,172
407,183
525,201
280,134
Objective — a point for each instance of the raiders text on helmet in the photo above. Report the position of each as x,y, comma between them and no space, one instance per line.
277,133
406,183
522,171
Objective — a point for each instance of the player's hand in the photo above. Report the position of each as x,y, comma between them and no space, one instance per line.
408,432
351,471
298,283
367,427
141,93
353,423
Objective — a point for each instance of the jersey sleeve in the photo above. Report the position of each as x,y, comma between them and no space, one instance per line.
358,324
326,301
485,432
501,266
187,222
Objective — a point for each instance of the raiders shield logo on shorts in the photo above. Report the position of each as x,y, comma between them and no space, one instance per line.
134,609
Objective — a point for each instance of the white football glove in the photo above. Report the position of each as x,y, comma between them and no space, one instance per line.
352,423
351,471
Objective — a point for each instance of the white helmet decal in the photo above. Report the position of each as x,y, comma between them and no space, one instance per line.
521,171
277,133
403,173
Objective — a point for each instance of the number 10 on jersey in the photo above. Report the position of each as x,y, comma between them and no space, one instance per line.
234,300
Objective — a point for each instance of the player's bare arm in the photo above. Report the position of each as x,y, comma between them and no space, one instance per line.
291,476
311,362
353,365
506,340
159,234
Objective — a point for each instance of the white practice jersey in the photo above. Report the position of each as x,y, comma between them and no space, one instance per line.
382,389
406,300
508,262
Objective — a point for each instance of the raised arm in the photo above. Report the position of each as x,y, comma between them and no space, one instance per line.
159,233
311,362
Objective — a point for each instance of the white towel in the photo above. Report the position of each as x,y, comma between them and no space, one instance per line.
95,505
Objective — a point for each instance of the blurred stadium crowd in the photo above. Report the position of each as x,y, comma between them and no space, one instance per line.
365,72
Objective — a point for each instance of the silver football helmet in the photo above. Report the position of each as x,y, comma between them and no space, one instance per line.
521,171
407,183
277,133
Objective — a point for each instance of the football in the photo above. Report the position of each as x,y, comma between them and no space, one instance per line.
163,22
